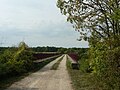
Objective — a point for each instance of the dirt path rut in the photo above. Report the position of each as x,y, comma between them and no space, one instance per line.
46,79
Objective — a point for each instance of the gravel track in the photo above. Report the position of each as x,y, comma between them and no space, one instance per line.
46,79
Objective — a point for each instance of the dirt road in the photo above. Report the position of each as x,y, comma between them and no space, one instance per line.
46,79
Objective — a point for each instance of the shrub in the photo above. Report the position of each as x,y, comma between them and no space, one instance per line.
15,61
105,63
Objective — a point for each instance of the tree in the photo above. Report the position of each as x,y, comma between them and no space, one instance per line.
16,60
23,45
23,58
98,21
98,17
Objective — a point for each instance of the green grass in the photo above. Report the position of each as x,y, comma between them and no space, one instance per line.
9,80
82,81
68,64
56,65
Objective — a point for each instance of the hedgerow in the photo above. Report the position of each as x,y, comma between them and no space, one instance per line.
15,61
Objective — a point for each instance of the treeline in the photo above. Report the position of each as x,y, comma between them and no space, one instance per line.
75,50
48,49
44,49
61,50
35,49
2,49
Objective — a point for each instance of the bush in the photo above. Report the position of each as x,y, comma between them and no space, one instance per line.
4,59
105,63
84,65
84,62
15,61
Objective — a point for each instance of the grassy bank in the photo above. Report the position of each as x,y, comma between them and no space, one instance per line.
82,81
56,65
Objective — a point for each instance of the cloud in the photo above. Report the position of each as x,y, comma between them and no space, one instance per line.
38,22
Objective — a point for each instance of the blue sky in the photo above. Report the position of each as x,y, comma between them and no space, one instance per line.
37,22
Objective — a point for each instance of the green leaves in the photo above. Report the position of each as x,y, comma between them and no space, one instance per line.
104,62
89,15
16,61
98,21
116,14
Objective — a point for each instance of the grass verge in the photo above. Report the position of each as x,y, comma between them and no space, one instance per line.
9,80
55,66
82,81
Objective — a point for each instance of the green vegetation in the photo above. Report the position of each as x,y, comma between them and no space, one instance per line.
13,63
79,79
82,80
98,22
68,64
7,81
44,49
84,61
16,63
56,65
105,63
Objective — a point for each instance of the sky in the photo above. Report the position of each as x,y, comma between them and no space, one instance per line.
36,22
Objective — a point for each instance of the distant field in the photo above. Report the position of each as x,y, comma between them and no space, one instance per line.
43,55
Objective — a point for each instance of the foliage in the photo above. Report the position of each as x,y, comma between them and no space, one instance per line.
98,21
62,50
2,49
81,80
105,65
68,64
14,61
4,62
84,65
84,61
4,83
92,16
45,49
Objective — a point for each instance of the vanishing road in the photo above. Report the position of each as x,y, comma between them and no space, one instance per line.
46,79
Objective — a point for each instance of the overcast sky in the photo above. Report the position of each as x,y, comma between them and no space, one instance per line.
37,22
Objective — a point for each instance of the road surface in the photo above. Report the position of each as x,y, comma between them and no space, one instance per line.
46,79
